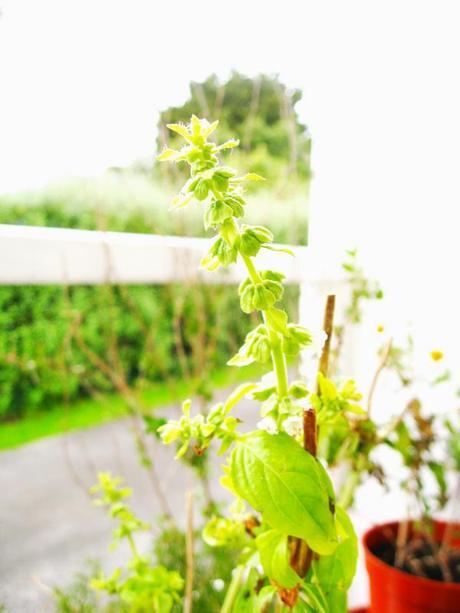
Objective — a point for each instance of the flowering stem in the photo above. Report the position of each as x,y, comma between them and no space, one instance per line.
278,358
133,547
189,537
253,274
233,590
279,364
347,492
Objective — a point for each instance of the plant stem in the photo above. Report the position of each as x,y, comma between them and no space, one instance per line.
381,366
347,492
132,544
189,554
253,274
233,589
401,543
278,358
279,364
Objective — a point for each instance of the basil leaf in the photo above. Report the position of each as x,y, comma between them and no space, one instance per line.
290,487
274,557
335,572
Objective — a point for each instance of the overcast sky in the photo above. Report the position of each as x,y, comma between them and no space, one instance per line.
82,82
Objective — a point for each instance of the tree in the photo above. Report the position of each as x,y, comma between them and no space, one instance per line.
259,111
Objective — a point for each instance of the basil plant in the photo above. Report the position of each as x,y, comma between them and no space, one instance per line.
298,547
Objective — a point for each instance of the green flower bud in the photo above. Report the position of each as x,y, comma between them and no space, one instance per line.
201,190
196,128
257,344
236,203
256,347
221,177
216,212
272,275
261,233
252,239
263,297
207,430
259,296
223,532
277,319
290,346
300,334
220,254
229,232
263,393
295,338
298,389
193,155
208,152
243,285
261,349
246,298
275,288
201,166
225,172
191,184
216,414
170,432
249,245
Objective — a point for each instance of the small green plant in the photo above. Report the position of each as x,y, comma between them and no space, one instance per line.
361,287
295,532
78,597
141,586
212,574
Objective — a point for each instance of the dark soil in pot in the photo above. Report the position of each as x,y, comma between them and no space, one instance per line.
420,561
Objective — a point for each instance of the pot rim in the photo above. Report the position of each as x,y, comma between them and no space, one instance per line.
408,577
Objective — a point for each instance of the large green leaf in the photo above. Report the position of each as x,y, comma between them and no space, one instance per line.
246,600
274,557
335,572
313,600
287,485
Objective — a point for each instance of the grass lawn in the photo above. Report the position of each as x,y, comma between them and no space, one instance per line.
89,412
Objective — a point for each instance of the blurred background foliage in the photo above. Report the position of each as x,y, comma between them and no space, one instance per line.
260,112
66,343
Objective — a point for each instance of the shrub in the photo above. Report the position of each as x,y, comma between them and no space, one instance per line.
155,333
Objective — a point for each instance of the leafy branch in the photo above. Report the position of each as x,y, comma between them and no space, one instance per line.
285,484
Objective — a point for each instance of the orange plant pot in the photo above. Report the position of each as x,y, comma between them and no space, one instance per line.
395,591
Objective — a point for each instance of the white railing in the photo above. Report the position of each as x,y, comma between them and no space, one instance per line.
38,256
31,255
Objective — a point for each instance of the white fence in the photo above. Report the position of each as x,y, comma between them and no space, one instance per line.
39,256
32,255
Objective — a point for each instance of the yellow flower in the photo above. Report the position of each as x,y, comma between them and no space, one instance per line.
436,355
380,328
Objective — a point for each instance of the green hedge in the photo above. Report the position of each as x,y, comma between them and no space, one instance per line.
53,339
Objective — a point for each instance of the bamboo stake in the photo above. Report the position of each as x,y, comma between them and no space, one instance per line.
189,553
381,366
302,555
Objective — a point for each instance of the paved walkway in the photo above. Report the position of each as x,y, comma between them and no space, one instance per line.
48,525
49,528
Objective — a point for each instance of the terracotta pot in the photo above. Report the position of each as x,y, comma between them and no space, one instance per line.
395,591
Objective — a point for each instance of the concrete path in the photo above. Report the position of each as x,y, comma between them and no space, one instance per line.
49,527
